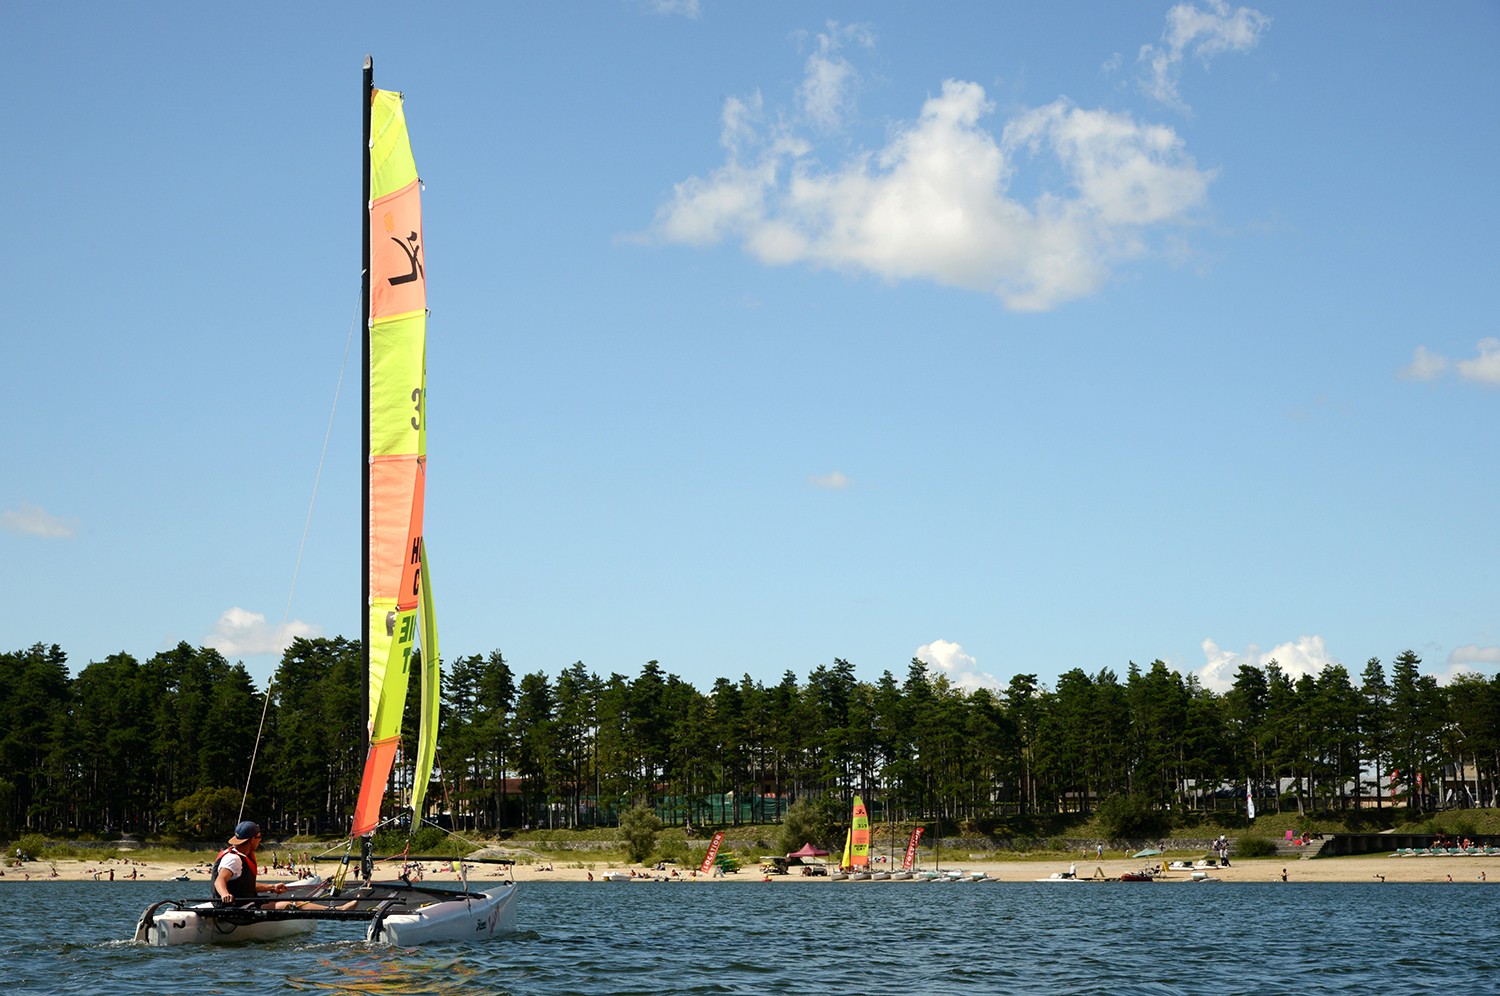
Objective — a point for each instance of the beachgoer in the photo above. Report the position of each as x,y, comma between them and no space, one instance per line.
1283,874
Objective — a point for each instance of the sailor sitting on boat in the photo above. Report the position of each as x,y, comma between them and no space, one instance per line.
234,871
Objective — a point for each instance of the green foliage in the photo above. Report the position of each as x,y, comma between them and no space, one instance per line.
144,747
812,821
208,812
1253,846
427,840
31,845
1130,817
638,829
675,849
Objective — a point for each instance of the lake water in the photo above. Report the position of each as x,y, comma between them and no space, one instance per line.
794,938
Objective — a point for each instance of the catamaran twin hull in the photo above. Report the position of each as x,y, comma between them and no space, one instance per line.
398,915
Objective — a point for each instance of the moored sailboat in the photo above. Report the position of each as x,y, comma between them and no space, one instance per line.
396,605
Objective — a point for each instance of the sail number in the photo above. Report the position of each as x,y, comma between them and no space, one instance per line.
417,397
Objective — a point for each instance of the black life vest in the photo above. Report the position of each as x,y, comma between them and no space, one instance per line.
241,886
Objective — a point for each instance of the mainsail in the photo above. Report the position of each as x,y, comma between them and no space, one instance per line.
397,588
859,836
395,592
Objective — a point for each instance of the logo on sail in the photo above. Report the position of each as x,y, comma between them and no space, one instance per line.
413,251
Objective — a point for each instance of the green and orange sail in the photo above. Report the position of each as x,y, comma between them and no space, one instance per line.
859,836
398,592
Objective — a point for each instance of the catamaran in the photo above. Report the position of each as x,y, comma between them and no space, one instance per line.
395,597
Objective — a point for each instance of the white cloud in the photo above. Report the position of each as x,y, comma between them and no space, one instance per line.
960,669
826,94
935,203
683,8
835,480
1472,653
242,633
1425,365
1484,368
1305,655
34,521
1204,32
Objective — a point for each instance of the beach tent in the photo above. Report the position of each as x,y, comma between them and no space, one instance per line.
807,851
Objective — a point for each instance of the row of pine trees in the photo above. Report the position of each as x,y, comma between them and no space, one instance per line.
170,744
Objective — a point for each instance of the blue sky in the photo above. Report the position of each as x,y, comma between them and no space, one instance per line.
1018,337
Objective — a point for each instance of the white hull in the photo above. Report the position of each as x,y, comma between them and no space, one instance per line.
478,917
172,927
474,916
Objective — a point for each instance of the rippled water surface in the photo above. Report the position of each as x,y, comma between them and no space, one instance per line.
749,937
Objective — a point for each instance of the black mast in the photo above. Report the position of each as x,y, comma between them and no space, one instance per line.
366,95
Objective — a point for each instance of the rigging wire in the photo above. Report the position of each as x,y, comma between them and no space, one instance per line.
297,569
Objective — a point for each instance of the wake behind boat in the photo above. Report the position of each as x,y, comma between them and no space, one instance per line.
395,597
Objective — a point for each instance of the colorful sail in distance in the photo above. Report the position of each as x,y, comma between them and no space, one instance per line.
396,460
859,836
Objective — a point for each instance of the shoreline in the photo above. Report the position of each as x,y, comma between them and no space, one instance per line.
1359,868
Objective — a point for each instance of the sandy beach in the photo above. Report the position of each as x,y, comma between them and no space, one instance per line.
1458,870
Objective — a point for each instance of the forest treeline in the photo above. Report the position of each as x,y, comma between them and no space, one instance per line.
166,745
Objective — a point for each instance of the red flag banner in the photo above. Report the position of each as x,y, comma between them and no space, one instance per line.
713,852
911,849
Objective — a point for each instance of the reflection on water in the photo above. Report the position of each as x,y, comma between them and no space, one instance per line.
367,969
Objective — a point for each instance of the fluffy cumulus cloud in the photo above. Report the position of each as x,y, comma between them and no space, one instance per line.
829,80
1482,368
939,202
1305,655
242,633
959,668
834,480
30,520
1200,32
1425,365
